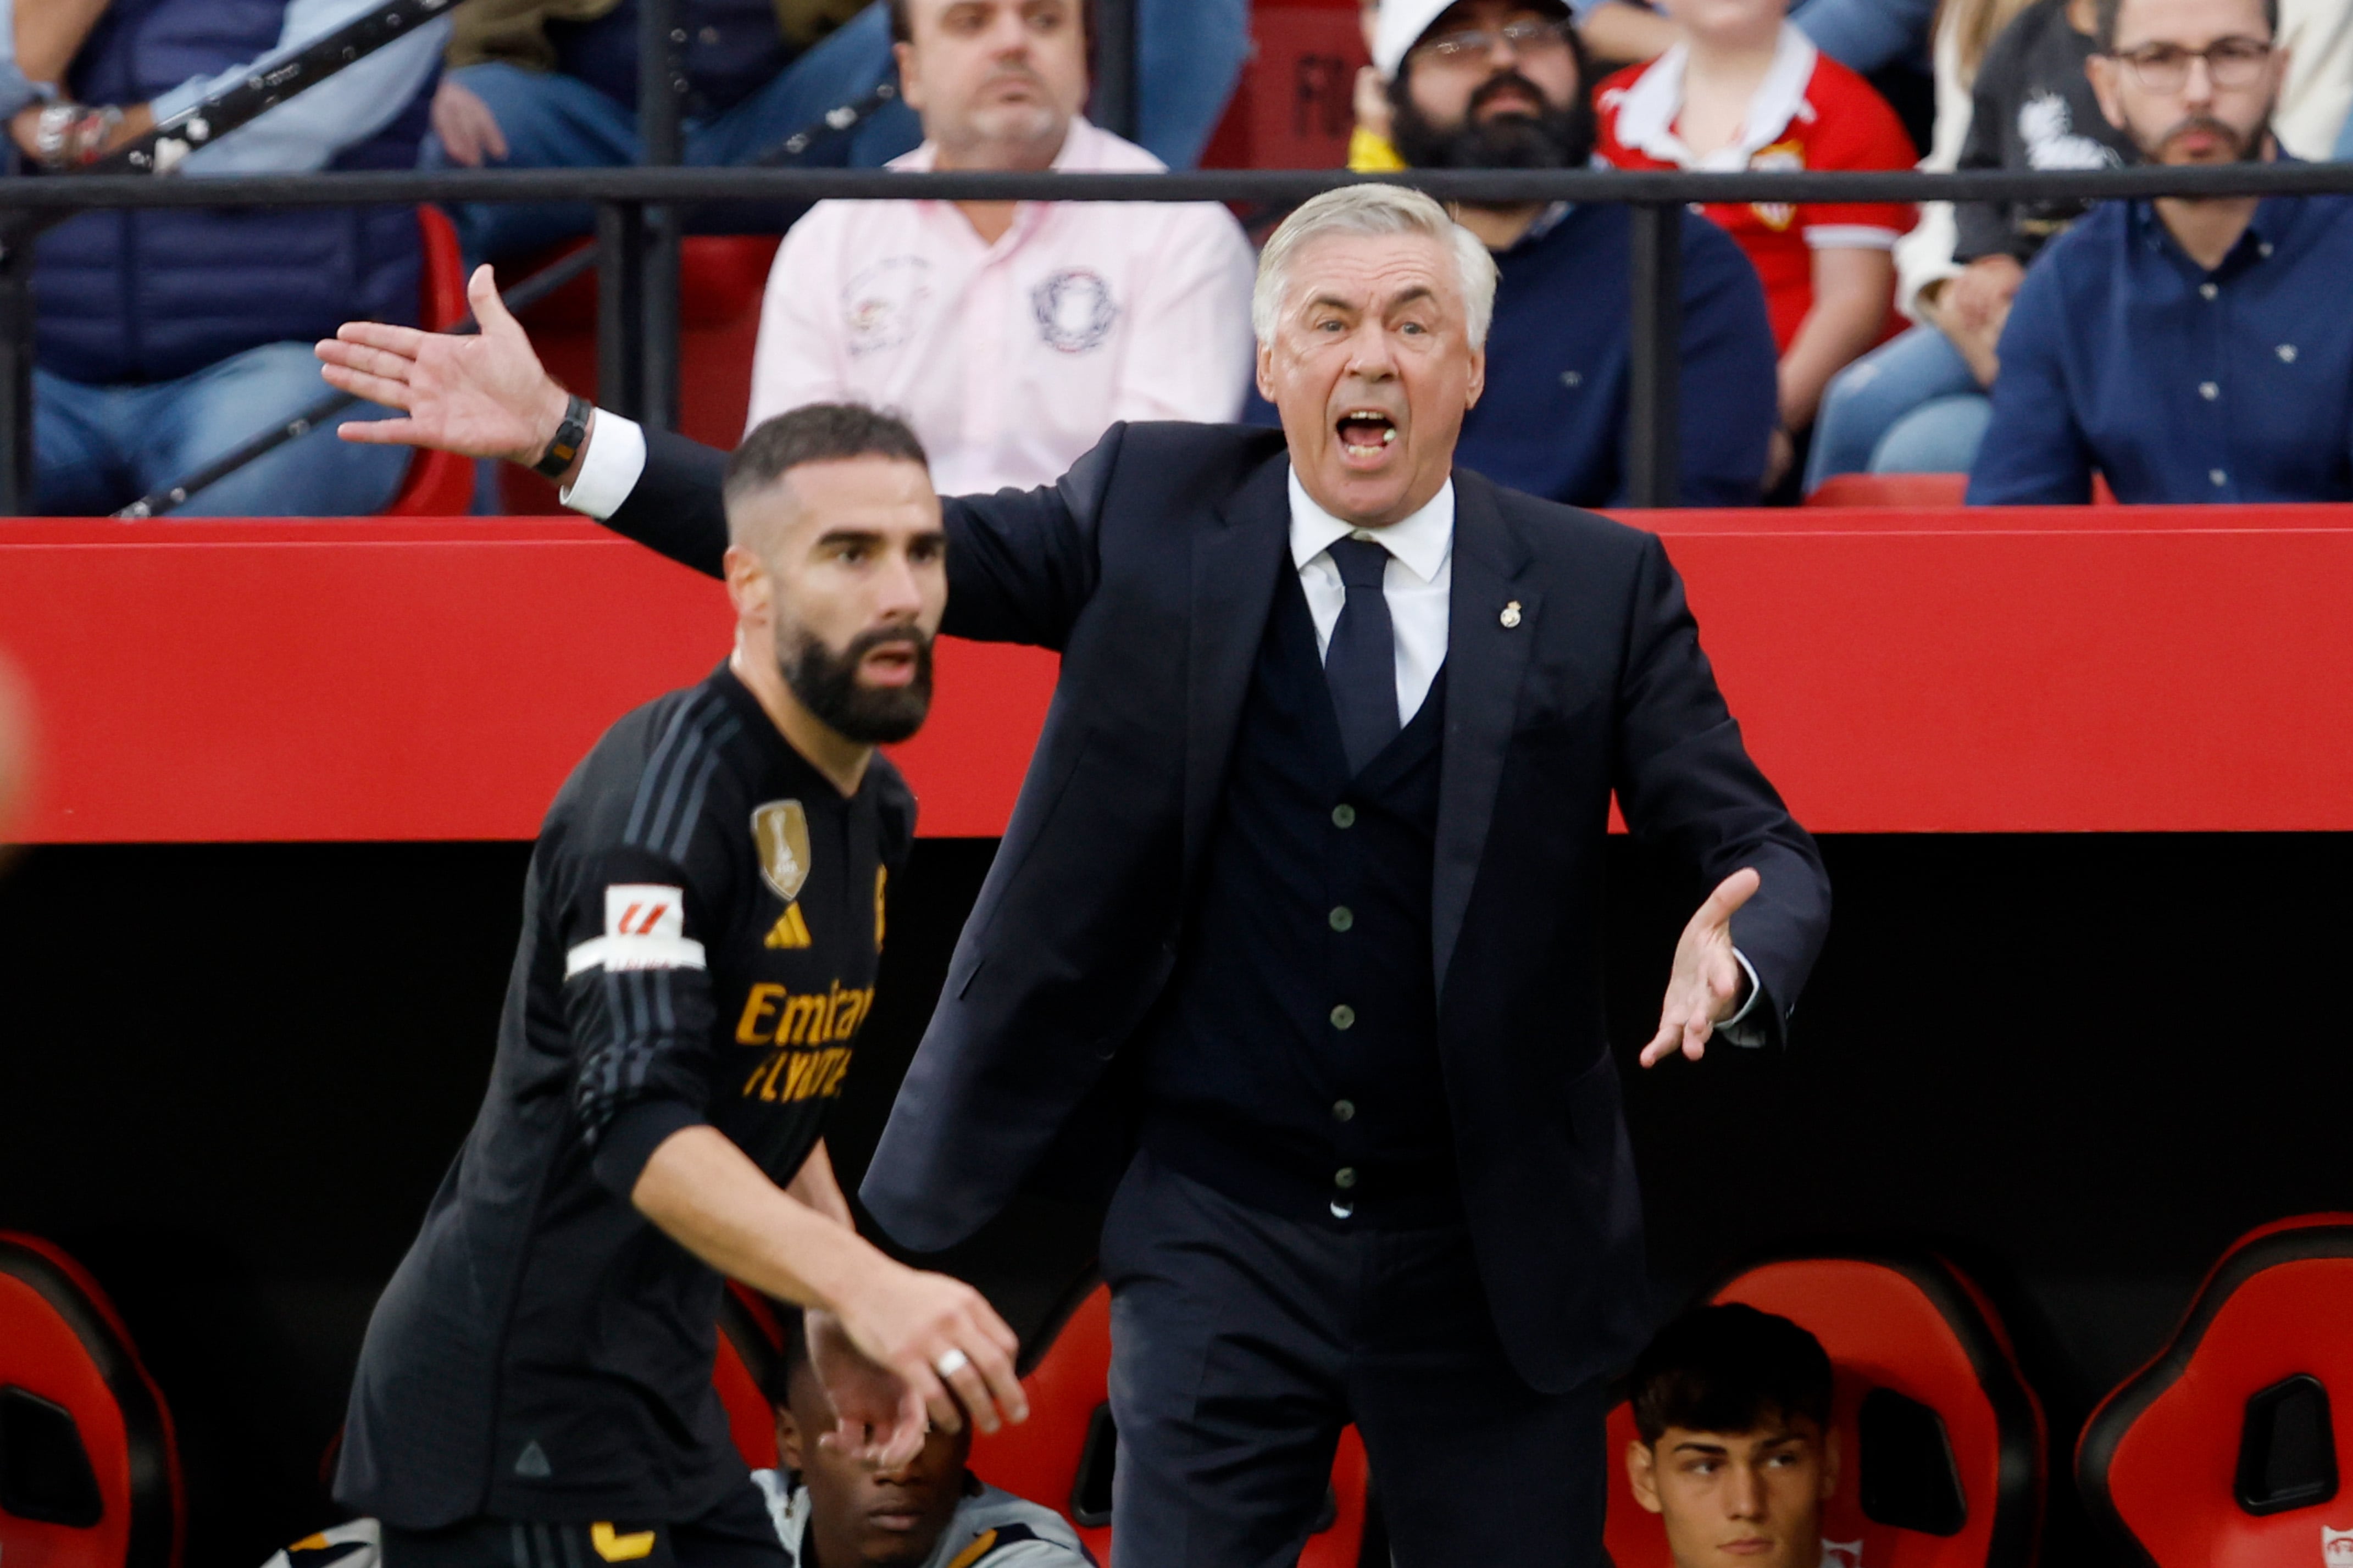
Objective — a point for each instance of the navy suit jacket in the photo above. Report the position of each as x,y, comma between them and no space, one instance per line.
1151,567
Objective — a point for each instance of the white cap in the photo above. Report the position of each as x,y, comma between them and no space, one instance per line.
1400,26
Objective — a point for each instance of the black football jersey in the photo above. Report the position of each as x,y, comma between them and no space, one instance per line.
701,927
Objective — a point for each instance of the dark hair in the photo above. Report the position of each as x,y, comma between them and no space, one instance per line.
902,24
1727,1369
815,433
2104,32
791,1355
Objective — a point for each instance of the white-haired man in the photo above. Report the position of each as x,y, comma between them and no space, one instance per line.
1296,931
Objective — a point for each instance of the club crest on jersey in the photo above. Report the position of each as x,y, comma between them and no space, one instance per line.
1841,1555
780,829
2335,1547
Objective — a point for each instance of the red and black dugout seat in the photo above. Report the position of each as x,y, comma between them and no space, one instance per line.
1943,1441
749,1348
1063,1455
89,1471
2226,1451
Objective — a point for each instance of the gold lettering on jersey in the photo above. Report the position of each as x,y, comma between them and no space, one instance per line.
753,1029
881,877
789,1077
780,829
774,1016
805,1034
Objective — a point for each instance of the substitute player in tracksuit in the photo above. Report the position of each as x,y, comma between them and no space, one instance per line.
702,926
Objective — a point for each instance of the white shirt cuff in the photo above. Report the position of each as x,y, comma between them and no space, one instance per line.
609,467
1738,1028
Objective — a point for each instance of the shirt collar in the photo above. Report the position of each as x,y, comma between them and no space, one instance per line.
1422,542
1648,110
2275,217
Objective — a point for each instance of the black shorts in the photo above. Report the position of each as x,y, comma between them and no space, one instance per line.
737,1533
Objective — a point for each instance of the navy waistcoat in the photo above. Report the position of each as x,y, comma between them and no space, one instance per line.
733,48
1293,1064
127,297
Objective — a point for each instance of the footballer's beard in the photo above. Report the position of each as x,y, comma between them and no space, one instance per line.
828,686
1560,138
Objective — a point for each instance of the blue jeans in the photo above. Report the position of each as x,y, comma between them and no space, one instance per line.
1909,406
553,122
99,449
1188,55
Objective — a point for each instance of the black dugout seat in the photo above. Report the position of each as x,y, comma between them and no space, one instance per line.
2227,1450
88,1472
1943,1442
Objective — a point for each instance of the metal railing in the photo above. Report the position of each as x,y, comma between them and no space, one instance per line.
640,212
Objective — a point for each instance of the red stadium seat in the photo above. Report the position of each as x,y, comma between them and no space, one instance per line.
1061,1456
1916,490
721,281
1891,489
439,484
2225,1451
91,1475
748,1349
1942,1438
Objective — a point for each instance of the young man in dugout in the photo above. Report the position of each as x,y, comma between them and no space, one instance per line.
1734,1453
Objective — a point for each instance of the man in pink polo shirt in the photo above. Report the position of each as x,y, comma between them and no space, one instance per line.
1008,335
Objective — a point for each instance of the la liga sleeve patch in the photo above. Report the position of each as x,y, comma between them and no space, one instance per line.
644,928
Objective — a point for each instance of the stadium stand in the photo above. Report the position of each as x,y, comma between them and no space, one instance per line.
89,1472
1063,1455
1944,1438
2226,1450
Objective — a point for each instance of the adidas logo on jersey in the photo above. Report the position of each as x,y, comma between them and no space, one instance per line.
790,930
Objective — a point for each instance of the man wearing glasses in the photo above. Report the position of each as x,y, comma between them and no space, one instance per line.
1503,84
2185,347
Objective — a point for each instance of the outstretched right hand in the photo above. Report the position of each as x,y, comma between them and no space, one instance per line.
484,395
906,1320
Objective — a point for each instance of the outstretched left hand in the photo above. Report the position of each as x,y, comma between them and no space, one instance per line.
1705,988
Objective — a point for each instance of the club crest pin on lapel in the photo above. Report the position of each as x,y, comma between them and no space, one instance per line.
1511,615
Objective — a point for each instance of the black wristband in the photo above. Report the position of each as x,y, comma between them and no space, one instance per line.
569,434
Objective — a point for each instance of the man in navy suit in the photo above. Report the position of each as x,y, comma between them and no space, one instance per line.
1295,931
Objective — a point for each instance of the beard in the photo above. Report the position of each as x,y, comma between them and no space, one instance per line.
1560,138
2247,147
828,685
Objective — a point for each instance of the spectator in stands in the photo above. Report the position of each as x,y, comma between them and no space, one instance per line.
2312,121
553,84
1503,84
1009,335
1735,1450
1917,404
1745,89
840,1511
542,84
1865,36
165,338
2191,350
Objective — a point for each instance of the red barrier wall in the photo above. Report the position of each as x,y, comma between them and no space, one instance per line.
2117,668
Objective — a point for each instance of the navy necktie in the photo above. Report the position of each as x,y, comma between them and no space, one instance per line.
1360,662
